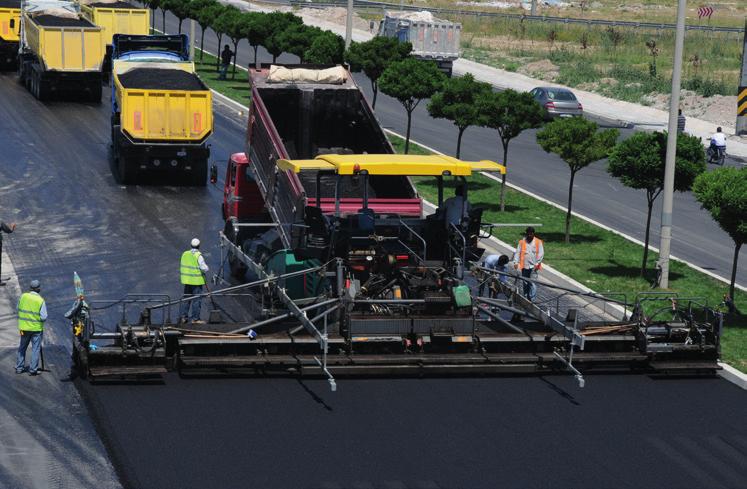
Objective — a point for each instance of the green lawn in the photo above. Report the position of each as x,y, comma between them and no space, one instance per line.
603,261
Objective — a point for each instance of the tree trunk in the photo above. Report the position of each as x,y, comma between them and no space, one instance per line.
570,206
220,41
646,239
734,270
274,58
375,88
180,25
153,19
202,41
503,177
407,138
163,20
255,54
235,55
459,141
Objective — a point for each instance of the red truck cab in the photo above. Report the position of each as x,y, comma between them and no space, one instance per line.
241,197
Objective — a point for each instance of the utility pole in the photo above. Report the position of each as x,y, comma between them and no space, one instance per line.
192,39
534,8
349,25
674,102
742,93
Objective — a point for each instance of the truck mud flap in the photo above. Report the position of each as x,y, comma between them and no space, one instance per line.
8,55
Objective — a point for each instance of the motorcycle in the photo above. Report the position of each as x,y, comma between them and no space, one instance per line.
716,154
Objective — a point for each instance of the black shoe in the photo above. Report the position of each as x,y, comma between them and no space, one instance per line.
18,372
33,372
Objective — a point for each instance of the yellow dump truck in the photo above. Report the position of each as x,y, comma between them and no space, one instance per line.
61,51
10,28
115,17
162,112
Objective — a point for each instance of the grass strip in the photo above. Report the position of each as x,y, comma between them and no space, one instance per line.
602,260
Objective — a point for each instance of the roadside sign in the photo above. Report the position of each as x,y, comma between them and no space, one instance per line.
705,12
742,93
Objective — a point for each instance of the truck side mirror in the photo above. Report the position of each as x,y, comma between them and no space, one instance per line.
213,173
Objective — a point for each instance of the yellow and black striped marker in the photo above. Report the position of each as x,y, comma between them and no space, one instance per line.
742,102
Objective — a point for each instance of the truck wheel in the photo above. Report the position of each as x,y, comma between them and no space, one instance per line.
126,172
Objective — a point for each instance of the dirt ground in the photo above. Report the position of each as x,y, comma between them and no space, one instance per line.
718,109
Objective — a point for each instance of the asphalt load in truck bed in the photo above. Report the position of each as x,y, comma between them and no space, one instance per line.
123,5
54,21
160,79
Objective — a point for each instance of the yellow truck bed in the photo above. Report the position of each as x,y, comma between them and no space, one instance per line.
118,20
65,48
10,23
162,102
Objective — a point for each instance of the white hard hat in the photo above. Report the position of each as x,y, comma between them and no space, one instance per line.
195,243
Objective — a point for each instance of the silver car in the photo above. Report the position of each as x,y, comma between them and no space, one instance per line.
557,102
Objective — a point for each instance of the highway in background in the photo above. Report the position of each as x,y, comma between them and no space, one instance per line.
696,237
220,432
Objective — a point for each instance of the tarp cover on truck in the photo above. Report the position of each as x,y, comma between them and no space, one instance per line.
330,76
160,79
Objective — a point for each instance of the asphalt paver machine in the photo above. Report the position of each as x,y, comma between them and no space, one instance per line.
338,291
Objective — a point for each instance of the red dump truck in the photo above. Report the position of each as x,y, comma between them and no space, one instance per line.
301,112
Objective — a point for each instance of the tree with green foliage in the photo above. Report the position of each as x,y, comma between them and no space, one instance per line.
579,143
639,162
297,39
723,193
411,81
457,102
237,27
326,48
256,30
374,56
222,25
278,22
180,8
203,12
152,5
509,112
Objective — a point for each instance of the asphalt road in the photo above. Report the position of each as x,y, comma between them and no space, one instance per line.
696,237
625,431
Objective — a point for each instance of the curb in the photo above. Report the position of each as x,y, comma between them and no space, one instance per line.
733,375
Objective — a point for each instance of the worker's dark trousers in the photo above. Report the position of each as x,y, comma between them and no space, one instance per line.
530,290
35,338
195,304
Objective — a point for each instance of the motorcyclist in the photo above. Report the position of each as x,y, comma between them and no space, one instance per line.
718,144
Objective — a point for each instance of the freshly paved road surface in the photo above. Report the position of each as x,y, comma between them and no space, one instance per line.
619,432
627,431
696,238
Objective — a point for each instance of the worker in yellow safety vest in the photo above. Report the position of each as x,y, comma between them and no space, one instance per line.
528,258
192,271
32,312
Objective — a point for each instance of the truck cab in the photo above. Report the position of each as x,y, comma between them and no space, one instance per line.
241,197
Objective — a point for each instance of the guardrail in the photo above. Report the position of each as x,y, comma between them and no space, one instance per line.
368,4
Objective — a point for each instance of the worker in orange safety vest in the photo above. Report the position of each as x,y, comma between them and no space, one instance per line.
528,258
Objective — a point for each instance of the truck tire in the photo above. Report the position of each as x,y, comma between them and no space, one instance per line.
126,171
42,89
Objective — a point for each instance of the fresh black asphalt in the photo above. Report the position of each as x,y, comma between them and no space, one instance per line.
620,431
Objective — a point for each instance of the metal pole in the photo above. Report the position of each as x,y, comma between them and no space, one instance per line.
192,39
742,93
674,101
534,7
349,25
